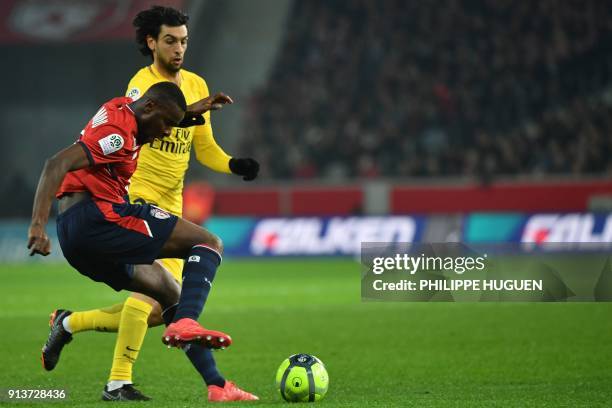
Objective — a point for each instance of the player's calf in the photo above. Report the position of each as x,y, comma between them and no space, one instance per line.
202,253
156,283
198,275
155,318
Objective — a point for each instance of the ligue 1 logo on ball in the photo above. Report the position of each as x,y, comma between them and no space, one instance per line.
302,378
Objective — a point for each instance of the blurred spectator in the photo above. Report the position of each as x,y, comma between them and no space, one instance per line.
365,88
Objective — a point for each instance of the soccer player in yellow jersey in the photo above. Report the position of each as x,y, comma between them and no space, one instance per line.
162,34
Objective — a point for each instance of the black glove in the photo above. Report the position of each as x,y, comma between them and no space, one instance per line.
191,119
244,167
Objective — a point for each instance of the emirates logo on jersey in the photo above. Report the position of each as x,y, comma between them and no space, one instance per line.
178,143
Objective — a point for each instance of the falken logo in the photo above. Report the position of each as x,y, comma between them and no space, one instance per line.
159,213
111,143
194,258
133,93
337,235
567,228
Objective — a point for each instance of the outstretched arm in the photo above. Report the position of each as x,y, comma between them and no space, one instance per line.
213,102
69,159
211,155
194,116
208,152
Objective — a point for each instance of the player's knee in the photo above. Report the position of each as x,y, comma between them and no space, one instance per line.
155,318
217,244
213,242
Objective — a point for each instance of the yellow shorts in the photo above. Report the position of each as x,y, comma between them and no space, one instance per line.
173,203
174,266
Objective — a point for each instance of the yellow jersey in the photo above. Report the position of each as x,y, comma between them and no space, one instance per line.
158,179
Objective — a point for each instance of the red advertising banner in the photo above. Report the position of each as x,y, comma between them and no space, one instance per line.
528,197
36,21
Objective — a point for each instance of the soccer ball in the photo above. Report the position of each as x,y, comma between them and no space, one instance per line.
302,378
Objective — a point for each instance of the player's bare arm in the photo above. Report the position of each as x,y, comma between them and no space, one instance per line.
70,159
213,102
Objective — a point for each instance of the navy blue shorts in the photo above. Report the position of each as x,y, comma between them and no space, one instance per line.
104,241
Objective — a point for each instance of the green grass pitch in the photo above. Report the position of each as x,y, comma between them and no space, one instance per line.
377,354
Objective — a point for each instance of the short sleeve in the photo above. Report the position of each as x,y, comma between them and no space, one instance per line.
136,88
106,144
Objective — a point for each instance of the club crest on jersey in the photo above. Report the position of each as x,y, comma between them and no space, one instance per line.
159,213
111,143
134,93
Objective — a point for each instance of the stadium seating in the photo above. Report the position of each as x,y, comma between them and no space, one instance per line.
367,88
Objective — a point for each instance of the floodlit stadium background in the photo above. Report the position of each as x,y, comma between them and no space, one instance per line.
474,121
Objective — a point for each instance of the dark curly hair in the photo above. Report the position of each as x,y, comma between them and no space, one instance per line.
149,22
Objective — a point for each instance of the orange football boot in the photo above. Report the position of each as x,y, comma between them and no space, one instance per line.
230,392
186,330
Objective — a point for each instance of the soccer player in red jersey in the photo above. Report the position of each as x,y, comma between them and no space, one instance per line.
106,238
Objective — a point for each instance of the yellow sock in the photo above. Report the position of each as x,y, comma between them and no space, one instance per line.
106,319
132,329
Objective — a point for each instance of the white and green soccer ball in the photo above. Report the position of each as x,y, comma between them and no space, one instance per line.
302,378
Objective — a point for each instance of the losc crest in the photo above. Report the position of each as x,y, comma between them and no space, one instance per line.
159,213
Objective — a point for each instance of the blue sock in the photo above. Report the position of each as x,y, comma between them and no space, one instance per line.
198,275
203,361
200,357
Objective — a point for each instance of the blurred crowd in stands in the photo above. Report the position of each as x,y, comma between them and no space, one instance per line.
367,88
